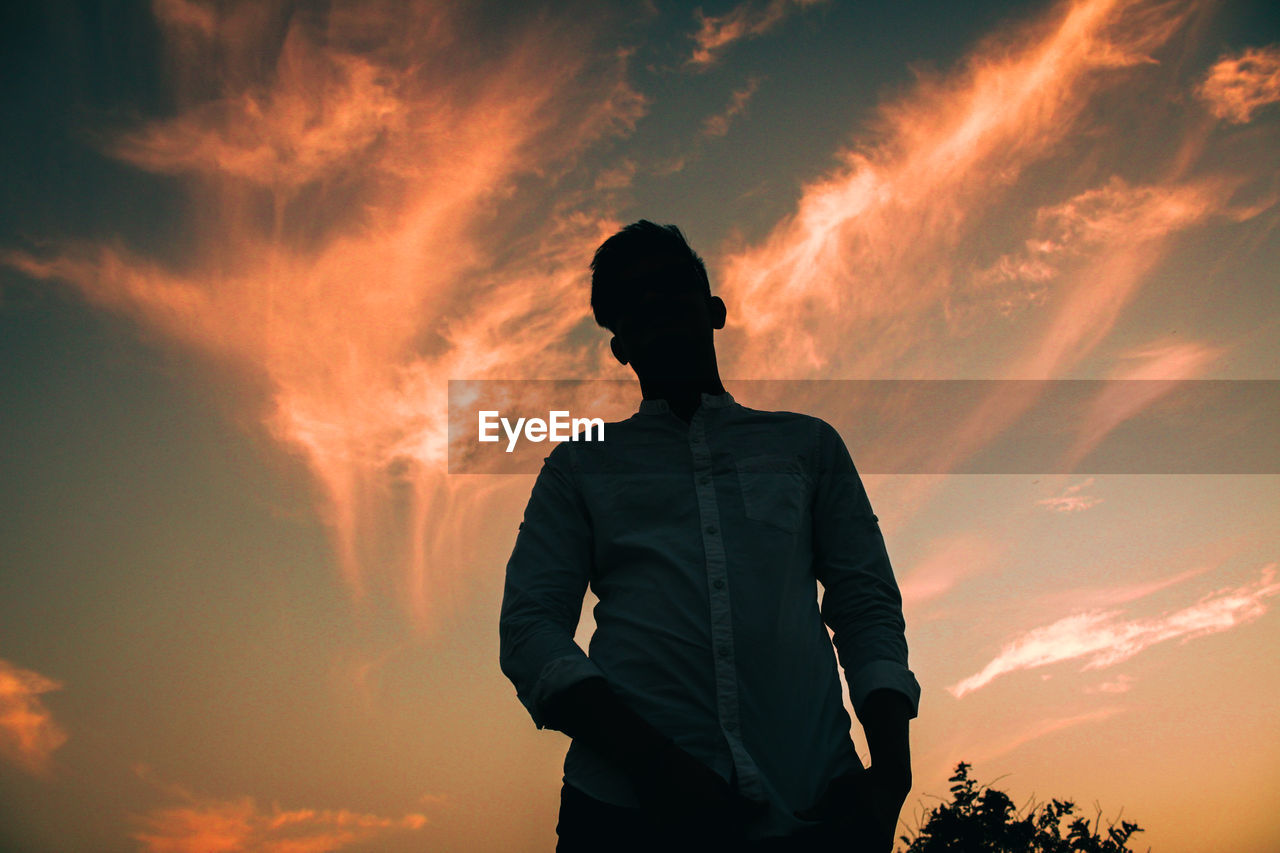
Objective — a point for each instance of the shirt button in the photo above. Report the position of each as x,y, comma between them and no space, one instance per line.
705,480
718,583
695,439
723,651
730,725
711,528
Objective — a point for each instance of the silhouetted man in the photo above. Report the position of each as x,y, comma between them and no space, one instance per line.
709,714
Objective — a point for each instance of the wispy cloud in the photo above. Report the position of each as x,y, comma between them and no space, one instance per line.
28,733
852,282
1238,86
316,119
1104,638
718,124
1113,595
948,562
365,230
1071,500
1120,684
1005,743
748,20
1156,368
1105,241
922,241
619,177
206,824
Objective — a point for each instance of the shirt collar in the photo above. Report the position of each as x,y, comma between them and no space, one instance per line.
709,401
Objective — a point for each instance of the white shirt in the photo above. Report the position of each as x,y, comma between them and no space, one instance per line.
704,543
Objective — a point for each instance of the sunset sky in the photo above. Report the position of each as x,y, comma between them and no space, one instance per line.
245,246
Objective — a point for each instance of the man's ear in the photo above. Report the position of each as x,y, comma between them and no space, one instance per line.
718,312
619,350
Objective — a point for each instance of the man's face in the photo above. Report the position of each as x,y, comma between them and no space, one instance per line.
664,322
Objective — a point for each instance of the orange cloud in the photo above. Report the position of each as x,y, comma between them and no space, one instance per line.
1114,595
28,733
1159,366
718,124
369,223
919,249
617,178
1034,731
320,115
1120,684
362,236
1070,500
1107,240
1238,86
208,825
948,562
748,20
851,283
1104,638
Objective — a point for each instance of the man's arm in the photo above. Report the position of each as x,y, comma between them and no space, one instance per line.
546,580
885,718
861,603
862,606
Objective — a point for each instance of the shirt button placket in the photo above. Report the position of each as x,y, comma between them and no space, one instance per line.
721,609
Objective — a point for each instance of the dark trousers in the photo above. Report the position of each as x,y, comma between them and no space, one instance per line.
588,825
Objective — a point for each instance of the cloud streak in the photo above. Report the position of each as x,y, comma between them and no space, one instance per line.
718,124
877,246
1120,684
28,733
947,563
716,33
986,208
1238,86
209,825
1158,367
1103,638
1070,500
1036,730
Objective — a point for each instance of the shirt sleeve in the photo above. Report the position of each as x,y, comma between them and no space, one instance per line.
547,577
861,602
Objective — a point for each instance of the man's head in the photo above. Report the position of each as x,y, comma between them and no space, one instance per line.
650,289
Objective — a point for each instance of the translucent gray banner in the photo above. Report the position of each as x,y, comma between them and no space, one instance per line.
920,426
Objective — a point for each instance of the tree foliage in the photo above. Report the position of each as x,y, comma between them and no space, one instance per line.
980,819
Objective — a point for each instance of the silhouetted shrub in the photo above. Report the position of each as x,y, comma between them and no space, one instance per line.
980,819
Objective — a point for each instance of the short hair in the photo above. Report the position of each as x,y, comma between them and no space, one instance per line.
640,241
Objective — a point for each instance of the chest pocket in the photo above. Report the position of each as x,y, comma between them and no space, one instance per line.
775,490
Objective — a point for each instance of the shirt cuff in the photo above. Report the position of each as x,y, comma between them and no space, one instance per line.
881,674
557,675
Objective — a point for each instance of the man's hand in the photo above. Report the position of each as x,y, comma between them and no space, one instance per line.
864,804
888,791
676,789
885,715
684,795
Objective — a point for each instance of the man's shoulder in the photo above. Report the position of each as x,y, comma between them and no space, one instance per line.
814,440
782,419
782,432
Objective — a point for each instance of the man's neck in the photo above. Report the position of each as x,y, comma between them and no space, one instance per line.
683,396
